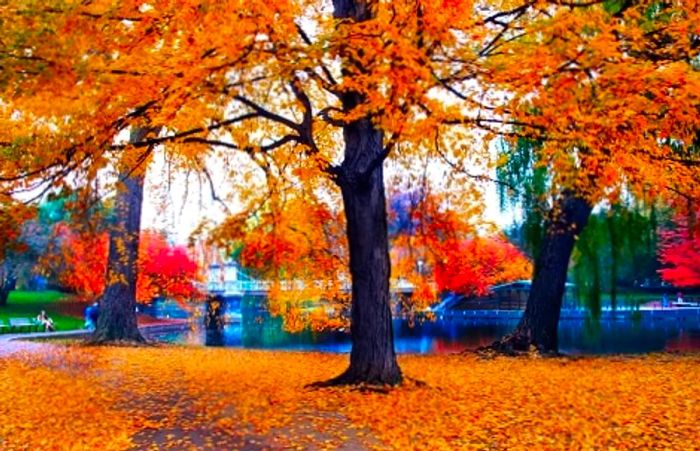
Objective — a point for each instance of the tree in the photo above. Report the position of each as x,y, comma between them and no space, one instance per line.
260,87
78,260
438,244
605,109
618,247
164,270
298,245
80,264
679,251
471,267
13,215
424,223
117,320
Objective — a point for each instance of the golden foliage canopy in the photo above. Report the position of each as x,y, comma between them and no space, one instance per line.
606,85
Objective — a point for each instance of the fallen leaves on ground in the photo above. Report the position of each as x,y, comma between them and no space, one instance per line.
76,397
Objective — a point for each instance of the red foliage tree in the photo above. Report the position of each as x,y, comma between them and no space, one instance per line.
164,270
679,251
471,266
436,248
80,264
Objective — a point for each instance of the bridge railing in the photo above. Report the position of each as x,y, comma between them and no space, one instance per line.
262,286
239,286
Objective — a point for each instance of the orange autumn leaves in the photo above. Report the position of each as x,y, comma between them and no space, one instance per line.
437,249
612,91
573,73
605,88
299,246
303,237
58,409
80,263
206,398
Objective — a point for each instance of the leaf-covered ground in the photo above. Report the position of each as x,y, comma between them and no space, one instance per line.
76,397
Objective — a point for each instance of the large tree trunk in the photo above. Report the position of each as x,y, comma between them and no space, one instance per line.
361,180
117,319
372,359
539,324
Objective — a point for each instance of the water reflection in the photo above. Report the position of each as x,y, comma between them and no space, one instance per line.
448,336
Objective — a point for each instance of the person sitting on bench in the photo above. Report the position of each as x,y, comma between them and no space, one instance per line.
43,319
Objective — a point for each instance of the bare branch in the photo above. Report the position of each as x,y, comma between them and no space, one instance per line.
215,197
267,114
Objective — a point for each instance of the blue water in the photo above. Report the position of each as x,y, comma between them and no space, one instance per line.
447,336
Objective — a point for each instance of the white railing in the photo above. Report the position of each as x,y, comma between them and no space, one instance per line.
240,287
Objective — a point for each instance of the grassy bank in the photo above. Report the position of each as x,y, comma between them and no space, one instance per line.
28,304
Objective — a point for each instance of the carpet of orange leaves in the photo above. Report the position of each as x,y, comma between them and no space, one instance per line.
77,397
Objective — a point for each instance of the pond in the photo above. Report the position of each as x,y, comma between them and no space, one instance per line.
576,336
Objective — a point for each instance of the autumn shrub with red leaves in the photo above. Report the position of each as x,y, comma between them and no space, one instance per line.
79,263
471,266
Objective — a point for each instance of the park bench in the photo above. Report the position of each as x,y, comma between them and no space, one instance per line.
24,323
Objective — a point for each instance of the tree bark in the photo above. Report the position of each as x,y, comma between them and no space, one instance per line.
538,326
372,359
361,181
117,319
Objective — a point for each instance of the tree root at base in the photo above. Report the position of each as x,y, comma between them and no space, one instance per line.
362,382
514,345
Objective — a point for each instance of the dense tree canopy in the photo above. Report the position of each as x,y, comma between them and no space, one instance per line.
587,80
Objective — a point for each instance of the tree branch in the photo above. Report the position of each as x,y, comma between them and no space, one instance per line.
267,114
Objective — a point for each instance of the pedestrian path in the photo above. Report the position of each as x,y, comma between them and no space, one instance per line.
12,343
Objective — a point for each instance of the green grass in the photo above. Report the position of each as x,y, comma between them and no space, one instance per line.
37,297
28,304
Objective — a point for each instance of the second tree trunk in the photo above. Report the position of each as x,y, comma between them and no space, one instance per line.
540,322
117,320
7,285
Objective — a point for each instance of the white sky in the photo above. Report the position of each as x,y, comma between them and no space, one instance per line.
180,207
